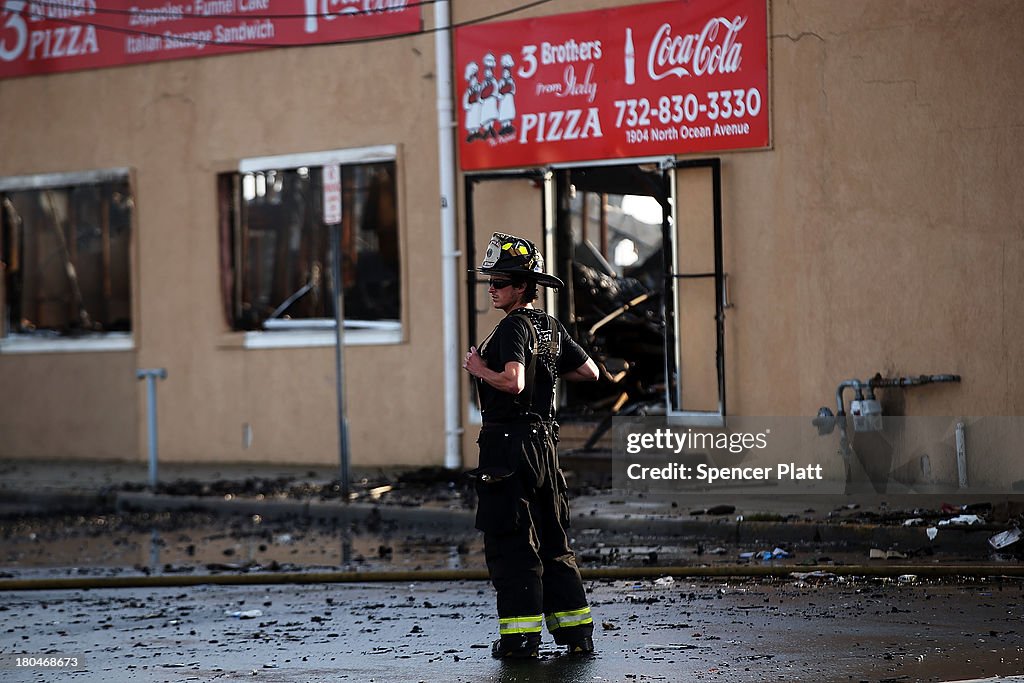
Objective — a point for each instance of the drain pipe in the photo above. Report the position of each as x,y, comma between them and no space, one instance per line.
449,252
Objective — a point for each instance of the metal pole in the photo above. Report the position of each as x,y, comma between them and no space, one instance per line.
151,375
151,428
339,358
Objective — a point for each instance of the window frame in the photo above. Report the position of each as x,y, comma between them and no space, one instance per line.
320,332
15,342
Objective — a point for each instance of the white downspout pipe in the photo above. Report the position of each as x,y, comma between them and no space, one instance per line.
449,252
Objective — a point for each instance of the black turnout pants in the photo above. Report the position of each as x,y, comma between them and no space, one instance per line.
524,511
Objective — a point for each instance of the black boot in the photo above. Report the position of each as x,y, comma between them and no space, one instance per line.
582,646
518,646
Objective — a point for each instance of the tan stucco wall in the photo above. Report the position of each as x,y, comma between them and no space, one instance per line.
178,124
53,404
883,232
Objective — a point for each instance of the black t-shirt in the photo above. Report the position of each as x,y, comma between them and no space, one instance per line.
511,340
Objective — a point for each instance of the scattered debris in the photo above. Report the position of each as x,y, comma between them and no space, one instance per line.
765,555
959,520
1005,538
715,510
245,614
804,576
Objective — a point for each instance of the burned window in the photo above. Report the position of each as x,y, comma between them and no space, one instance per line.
65,252
277,249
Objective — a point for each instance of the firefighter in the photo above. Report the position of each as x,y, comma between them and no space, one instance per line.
523,506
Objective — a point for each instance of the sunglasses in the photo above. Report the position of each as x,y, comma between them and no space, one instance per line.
499,284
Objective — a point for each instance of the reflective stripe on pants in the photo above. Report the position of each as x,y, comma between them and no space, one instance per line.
576,617
510,625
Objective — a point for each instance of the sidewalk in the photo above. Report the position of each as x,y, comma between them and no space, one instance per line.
436,498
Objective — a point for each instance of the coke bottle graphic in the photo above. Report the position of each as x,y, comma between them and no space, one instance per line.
311,16
630,66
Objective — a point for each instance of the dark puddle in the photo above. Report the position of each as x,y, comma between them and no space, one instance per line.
191,542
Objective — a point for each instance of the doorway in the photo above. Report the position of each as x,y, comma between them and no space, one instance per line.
645,291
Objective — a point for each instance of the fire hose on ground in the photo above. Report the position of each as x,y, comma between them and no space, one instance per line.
778,571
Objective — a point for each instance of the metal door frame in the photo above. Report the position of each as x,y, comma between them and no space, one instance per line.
545,178
673,384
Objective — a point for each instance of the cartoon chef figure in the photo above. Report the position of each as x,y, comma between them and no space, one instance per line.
471,102
489,98
507,92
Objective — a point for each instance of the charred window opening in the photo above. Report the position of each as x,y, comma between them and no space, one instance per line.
614,230
65,251
607,243
276,248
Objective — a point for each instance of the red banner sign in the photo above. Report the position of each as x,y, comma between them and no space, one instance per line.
643,80
49,36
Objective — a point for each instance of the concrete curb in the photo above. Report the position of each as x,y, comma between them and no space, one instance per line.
72,501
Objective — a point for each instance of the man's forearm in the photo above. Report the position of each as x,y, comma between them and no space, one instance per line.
509,381
584,373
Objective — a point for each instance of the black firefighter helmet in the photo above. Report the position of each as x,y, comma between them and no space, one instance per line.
516,257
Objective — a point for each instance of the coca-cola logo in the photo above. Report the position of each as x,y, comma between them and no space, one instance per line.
713,50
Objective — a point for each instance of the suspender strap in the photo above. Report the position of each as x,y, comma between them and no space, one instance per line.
552,351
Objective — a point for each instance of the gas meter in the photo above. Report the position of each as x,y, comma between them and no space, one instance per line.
867,415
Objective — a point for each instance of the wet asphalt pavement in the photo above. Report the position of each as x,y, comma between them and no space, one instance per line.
826,627
655,630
